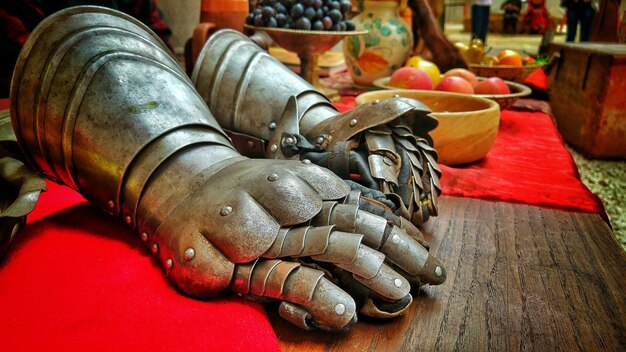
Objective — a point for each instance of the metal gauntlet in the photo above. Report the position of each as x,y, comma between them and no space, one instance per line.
98,104
271,112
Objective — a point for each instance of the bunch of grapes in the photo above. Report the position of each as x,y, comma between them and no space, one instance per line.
317,15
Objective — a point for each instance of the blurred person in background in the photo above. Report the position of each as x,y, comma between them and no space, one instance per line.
537,17
480,19
512,9
19,17
579,12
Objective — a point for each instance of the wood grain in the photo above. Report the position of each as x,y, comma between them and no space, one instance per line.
519,278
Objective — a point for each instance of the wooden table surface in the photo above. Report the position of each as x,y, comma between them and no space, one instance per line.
519,278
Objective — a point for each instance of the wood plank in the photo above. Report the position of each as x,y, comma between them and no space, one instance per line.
519,278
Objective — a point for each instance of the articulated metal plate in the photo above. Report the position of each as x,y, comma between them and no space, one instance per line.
20,185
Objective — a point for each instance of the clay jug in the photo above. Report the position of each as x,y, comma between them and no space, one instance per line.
385,48
225,13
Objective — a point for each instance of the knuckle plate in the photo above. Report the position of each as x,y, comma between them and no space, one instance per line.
372,227
404,251
342,248
388,283
367,264
344,217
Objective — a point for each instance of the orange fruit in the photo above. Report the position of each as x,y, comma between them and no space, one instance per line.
509,57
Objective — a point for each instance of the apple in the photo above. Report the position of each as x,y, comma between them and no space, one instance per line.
493,85
467,75
411,78
455,84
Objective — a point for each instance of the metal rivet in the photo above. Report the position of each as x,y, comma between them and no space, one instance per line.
189,254
306,161
319,140
128,219
111,204
395,239
169,263
227,209
340,309
273,148
272,126
250,144
353,122
387,161
397,282
438,271
272,177
144,237
290,140
375,102
155,248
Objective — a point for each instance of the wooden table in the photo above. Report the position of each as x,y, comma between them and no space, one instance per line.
519,278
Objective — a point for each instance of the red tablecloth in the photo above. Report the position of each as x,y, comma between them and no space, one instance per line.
78,281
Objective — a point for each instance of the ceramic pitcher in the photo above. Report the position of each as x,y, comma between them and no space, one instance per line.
385,48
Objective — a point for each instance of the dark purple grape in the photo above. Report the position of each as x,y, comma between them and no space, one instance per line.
327,22
342,26
250,19
258,21
268,12
309,13
334,5
303,23
271,22
345,6
257,11
307,2
319,14
281,19
317,26
297,11
318,3
335,15
335,28
350,25
280,8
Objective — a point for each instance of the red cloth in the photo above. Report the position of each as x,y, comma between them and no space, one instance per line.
78,281
528,163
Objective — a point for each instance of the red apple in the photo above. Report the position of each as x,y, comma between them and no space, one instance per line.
467,75
493,85
411,78
455,84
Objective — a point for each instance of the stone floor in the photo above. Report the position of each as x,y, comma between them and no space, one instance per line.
606,179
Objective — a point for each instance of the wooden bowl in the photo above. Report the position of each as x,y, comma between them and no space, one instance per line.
504,100
506,72
467,124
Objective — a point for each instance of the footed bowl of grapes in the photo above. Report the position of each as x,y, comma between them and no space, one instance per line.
308,28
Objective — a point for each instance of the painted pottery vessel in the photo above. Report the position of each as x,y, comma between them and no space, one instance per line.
384,49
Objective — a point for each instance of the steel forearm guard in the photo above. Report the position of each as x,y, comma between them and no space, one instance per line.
270,111
98,104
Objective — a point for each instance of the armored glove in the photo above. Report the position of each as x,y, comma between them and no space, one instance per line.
98,104
20,186
270,111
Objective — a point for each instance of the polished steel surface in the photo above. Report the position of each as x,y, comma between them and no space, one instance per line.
253,94
99,104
